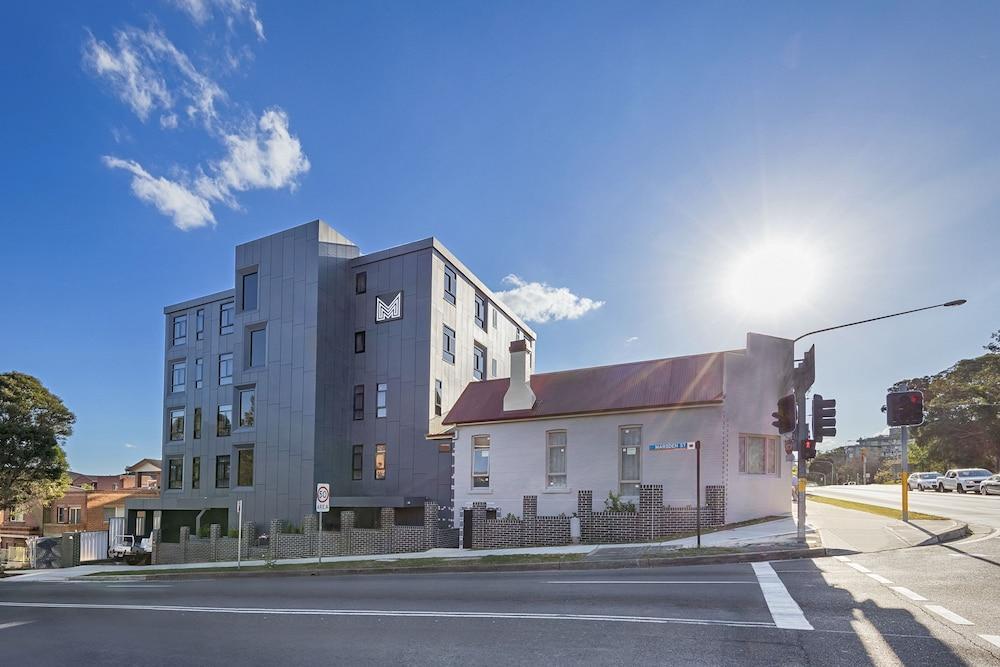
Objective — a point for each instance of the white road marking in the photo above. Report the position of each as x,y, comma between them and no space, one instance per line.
948,614
405,613
640,581
879,578
138,586
784,610
14,624
843,559
859,568
959,555
993,639
903,590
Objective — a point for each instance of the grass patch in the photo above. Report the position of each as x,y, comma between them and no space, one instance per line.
871,509
695,551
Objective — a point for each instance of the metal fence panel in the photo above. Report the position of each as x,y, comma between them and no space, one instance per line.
93,546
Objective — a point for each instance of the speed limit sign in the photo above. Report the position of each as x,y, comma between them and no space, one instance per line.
322,497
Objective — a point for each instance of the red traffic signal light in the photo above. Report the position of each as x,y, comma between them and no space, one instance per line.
904,408
784,418
807,450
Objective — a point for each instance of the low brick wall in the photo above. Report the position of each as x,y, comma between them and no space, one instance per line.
348,541
650,522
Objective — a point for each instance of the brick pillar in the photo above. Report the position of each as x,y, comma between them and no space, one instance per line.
310,532
650,509
214,533
715,499
387,522
529,521
585,512
478,525
274,538
185,536
430,525
154,546
249,538
346,528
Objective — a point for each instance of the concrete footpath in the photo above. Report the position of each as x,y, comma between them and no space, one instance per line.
859,531
777,535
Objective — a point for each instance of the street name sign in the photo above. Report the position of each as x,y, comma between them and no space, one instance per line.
660,446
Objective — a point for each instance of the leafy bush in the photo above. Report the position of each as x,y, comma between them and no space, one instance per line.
205,531
234,532
613,503
510,517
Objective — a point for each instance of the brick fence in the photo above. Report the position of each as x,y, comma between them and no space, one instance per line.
652,521
388,538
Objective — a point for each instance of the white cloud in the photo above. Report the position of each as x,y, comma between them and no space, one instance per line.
148,72
172,198
129,445
539,302
168,121
201,11
631,339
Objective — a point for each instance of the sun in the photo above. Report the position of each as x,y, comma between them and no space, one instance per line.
769,278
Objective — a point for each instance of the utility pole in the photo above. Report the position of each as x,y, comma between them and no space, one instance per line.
905,470
801,433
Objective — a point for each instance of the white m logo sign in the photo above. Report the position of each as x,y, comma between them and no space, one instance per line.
391,311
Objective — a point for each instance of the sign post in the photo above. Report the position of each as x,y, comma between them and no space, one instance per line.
239,541
322,506
697,489
904,470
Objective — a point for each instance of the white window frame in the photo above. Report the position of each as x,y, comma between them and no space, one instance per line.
638,459
477,445
74,511
551,476
770,457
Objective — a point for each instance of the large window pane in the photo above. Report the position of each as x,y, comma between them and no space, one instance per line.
177,424
199,373
381,392
247,404
258,347
755,455
556,460
197,423
629,451
226,368
196,472
480,312
380,462
199,324
222,472
178,376
450,284
180,330
250,291
244,467
480,461
227,313
448,345
359,402
478,362
224,422
357,462
175,474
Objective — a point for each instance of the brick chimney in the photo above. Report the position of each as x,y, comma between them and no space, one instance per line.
519,395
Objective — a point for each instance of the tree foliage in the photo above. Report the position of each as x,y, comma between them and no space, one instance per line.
962,414
34,424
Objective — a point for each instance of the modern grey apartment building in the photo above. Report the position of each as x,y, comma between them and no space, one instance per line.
321,365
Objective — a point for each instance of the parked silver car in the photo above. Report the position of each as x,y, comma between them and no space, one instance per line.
990,486
963,479
922,481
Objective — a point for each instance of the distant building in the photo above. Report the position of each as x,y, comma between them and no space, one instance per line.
612,428
887,445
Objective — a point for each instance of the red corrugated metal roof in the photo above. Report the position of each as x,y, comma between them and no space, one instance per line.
642,384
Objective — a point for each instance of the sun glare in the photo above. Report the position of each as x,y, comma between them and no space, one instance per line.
769,278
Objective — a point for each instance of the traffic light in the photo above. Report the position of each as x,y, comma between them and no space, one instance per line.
807,450
824,417
904,408
784,418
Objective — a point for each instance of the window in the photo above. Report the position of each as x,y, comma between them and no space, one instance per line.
250,291
480,461
629,446
225,368
74,515
494,367
357,462
478,362
247,401
61,515
555,460
178,376
196,472
380,392
481,311
494,313
379,461
359,342
359,402
197,424
450,284
438,390
361,283
759,455
180,330
175,474
16,516
258,347
448,346
199,324
199,373
224,421
518,334
227,312
244,467
222,472
177,424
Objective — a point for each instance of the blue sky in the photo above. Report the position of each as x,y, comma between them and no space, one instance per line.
676,163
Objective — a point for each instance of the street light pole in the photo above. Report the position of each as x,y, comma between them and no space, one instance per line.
947,304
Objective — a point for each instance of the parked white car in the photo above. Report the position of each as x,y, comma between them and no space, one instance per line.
990,486
921,481
963,479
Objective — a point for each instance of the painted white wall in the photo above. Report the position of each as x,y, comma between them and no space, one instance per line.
754,379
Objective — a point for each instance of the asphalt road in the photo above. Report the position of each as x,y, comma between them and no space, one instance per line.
826,611
972,508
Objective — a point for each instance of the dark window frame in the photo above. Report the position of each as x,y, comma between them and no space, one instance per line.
450,284
175,474
361,282
196,472
381,456
199,324
359,341
173,416
225,380
223,463
252,390
381,400
241,481
178,330
256,356
449,343
357,463
196,424
227,324
178,369
255,276
481,312
199,372
479,356
438,397
220,414
359,402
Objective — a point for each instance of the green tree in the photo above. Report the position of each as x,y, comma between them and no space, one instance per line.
34,424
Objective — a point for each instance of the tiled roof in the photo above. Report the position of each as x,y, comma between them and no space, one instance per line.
679,381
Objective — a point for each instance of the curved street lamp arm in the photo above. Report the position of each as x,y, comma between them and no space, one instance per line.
956,302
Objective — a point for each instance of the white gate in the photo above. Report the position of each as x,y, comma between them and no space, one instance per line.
93,546
116,528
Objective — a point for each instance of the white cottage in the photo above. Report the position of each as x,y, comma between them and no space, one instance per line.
612,428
